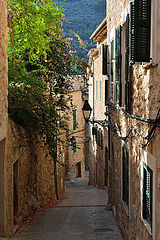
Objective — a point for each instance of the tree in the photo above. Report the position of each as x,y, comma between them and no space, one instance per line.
39,65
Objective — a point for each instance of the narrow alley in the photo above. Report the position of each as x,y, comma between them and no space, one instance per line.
80,215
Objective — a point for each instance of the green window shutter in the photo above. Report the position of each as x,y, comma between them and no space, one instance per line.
132,35
74,119
147,193
127,94
112,60
104,59
118,65
74,148
106,91
125,174
94,131
140,31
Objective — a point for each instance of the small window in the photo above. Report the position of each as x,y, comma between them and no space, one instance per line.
74,148
125,175
104,59
147,193
118,66
112,72
74,119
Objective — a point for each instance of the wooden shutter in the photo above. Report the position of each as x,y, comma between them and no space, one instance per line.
132,34
106,91
140,31
125,174
104,59
147,193
74,148
94,130
74,119
112,72
118,65
127,62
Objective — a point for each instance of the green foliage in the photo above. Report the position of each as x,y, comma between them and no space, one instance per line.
39,65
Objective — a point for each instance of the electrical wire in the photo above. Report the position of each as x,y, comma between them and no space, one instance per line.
134,131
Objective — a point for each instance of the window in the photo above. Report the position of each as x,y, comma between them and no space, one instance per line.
104,59
118,65
96,90
94,131
96,135
74,148
127,68
112,72
74,119
100,95
106,90
125,175
147,193
140,14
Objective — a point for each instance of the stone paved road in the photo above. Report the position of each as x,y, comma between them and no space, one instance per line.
80,216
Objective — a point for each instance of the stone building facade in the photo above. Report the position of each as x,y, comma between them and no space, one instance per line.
133,135
75,151
3,109
133,103
97,100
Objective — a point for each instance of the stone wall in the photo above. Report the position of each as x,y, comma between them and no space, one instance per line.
3,108
30,182
3,69
145,103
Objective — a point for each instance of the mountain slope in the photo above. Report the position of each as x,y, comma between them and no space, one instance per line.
84,16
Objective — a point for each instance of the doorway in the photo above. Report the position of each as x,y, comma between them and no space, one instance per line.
78,170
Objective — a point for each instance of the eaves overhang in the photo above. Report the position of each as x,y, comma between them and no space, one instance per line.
100,32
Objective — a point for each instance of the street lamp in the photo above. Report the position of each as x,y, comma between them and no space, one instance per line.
86,110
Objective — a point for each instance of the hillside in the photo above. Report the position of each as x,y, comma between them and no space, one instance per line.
83,17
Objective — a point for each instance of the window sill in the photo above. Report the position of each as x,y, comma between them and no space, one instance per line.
147,225
150,65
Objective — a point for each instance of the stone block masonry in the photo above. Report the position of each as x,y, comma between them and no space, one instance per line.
3,107
3,69
30,183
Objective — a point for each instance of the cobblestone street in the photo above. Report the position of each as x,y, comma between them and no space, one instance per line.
80,216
